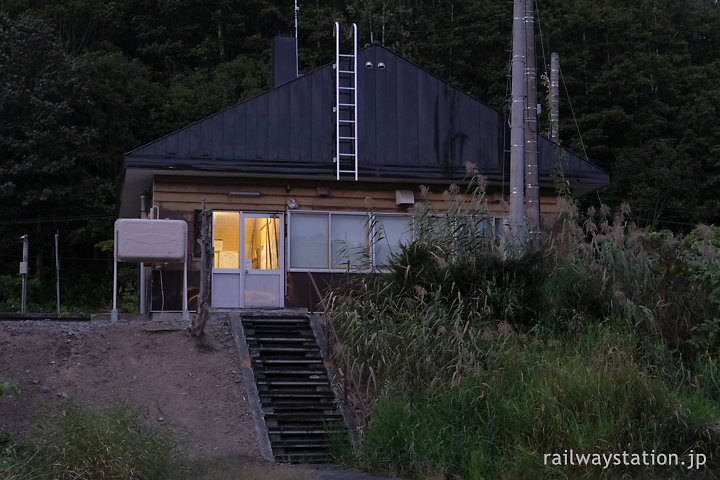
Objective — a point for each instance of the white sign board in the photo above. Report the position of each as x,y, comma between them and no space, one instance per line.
145,240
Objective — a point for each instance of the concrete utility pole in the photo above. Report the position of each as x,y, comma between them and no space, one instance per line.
532,188
554,124
297,63
517,114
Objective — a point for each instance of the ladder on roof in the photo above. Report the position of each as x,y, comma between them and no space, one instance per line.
346,121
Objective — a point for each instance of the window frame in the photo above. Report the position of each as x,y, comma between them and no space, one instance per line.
371,232
411,232
330,268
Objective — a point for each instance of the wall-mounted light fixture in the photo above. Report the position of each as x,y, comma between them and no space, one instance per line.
244,194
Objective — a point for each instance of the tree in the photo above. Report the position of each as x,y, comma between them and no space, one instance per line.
43,138
640,78
53,174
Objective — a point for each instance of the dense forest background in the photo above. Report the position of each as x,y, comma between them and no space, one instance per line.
83,81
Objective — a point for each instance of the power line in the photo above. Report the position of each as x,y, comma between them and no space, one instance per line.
500,19
572,110
55,219
73,259
542,41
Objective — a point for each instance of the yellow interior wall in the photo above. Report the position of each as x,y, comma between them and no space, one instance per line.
226,239
261,240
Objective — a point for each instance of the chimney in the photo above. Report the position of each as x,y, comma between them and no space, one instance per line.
284,55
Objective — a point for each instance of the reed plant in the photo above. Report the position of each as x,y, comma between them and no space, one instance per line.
479,356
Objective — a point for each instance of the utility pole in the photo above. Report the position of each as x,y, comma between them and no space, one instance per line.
517,114
297,63
554,124
532,188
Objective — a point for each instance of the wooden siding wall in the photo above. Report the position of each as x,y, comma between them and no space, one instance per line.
179,197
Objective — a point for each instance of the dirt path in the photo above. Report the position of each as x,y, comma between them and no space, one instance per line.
193,387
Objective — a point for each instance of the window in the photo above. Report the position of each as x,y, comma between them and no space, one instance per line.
391,231
226,239
492,229
329,241
349,242
309,240
340,241
262,240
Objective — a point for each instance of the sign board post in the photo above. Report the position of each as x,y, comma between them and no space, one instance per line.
24,272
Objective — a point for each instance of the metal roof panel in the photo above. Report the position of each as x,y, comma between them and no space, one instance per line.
411,124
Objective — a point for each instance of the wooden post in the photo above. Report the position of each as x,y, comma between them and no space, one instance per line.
203,308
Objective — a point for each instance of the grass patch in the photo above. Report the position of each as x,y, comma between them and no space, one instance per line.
81,444
116,443
593,396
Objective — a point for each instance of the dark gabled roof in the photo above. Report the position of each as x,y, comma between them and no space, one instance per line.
412,125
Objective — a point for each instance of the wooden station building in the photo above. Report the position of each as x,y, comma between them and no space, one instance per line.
292,174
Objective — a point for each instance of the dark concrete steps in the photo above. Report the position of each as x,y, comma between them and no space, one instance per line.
293,387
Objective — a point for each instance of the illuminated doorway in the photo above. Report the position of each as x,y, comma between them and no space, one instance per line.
248,267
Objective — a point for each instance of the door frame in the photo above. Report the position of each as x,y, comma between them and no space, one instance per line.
232,281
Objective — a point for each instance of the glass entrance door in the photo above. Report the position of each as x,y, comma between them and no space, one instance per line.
262,256
248,262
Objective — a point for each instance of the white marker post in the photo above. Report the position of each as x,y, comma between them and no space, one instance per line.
57,270
24,272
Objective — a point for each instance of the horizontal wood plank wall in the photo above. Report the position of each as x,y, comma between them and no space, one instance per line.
179,197
185,194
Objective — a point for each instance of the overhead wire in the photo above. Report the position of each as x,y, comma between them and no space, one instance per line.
542,40
567,93
572,111
55,219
